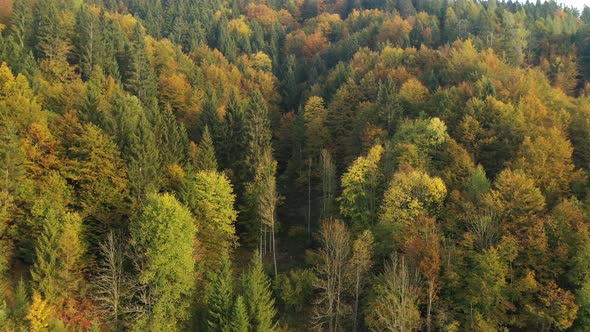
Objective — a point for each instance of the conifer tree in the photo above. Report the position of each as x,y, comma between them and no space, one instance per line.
19,56
233,145
45,272
20,305
144,159
173,139
88,44
258,297
258,134
139,75
240,320
205,159
219,298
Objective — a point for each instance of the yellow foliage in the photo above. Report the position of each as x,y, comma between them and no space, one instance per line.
240,26
38,314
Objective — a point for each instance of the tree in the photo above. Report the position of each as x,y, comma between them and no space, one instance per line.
361,262
58,251
548,159
263,200
328,178
136,139
88,44
21,304
258,297
233,143
520,205
410,194
38,314
139,76
486,286
257,134
110,280
394,306
98,172
240,320
162,237
390,109
209,195
361,188
205,159
333,256
423,247
219,297
315,131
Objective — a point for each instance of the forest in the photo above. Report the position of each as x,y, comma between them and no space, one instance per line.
294,165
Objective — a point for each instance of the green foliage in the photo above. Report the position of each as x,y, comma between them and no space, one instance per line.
219,298
209,195
162,236
205,159
240,320
295,289
257,131
409,194
258,297
478,183
361,187
388,104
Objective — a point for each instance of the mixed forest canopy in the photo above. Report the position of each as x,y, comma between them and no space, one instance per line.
294,165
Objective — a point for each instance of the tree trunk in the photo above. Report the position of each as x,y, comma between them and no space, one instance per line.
274,250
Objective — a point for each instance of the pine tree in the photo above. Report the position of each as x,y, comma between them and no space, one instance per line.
205,159
258,297
219,298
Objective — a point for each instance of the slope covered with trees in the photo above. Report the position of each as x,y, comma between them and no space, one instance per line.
274,165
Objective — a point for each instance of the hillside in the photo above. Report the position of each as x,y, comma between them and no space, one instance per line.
294,165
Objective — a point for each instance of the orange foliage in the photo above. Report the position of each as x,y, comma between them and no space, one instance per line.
313,44
41,148
5,11
394,30
261,13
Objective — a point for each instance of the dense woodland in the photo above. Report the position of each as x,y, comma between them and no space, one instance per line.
294,165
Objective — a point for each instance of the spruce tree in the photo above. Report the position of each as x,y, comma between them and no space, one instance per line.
20,305
258,134
219,298
140,79
205,159
173,138
46,269
88,42
240,320
258,297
